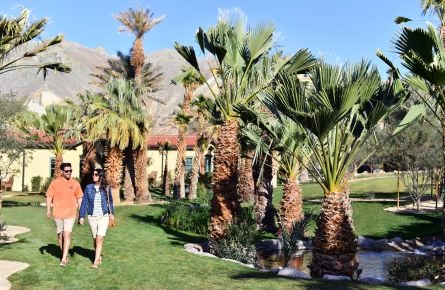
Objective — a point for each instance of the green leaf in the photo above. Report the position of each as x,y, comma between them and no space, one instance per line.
401,19
413,114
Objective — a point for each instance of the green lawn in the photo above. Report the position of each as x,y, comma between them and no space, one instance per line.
142,254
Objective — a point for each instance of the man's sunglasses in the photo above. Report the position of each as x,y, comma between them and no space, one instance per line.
68,171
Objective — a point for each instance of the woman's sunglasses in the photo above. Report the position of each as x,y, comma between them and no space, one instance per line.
95,174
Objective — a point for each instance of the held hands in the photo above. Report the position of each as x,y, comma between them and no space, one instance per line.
81,221
111,216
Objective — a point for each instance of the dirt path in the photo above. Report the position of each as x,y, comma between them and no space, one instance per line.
7,268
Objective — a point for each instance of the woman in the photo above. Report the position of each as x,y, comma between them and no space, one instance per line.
97,202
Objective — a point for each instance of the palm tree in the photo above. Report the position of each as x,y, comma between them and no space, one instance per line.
285,138
139,22
422,52
164,147
16,33
191,81
182,121
56,126
243,68
205,136
337,112
116,117
437,8
149,84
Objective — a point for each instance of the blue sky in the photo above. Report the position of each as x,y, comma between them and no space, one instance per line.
340,31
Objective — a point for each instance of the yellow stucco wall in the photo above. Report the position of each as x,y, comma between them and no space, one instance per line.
39,164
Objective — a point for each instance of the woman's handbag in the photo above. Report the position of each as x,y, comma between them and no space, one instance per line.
112,221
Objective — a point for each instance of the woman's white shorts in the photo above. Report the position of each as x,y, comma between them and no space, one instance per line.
98,225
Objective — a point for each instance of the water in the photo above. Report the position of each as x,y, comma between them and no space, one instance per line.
374,264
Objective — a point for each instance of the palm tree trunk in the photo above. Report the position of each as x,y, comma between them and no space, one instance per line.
179,184
291,210
142,194
88,164
129,175
59,161
264,210
335,244
225,204
113,171
246,184
166,177
195,170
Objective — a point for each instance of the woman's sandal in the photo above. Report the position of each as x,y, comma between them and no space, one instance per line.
63,263
95,265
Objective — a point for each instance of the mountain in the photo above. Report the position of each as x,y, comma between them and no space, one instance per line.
84,61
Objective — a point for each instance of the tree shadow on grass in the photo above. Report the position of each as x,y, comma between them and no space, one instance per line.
177,237
11,203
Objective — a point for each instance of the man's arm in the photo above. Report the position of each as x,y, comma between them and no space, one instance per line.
49,200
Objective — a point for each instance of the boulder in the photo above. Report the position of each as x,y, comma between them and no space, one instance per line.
335,277
418,283
293,273
372,280
270,244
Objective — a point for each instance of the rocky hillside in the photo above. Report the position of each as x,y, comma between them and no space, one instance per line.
84,61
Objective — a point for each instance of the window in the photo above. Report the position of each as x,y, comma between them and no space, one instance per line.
188,164
208,163
52,166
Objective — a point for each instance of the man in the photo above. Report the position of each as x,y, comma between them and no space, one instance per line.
65,194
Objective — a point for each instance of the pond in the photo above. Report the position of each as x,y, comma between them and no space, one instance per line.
373,263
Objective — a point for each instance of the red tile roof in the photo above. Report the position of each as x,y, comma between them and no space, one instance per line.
154,140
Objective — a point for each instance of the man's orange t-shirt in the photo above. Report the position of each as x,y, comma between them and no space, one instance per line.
64,194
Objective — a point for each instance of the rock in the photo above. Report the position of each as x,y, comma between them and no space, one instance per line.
293,273
406,246
397,240
190,247
270,244
396,247
372,280
205,254
274,270
418,283
335,277
418,243
365,243
238,262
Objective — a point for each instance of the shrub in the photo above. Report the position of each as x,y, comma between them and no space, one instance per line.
36,183
3,235
45,185
239,241
204,194
414,268
188,217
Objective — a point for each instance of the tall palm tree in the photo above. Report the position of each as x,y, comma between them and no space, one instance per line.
205,136
164,148
116,117
182,121
139,22
191,81
17,32
337,113
243,68
56,126
149,84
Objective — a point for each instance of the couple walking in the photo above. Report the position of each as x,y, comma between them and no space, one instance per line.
66,196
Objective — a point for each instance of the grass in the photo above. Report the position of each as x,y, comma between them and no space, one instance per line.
140,253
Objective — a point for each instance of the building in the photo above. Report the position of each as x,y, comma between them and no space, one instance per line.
42,160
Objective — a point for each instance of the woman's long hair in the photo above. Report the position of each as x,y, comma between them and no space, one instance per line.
102,181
